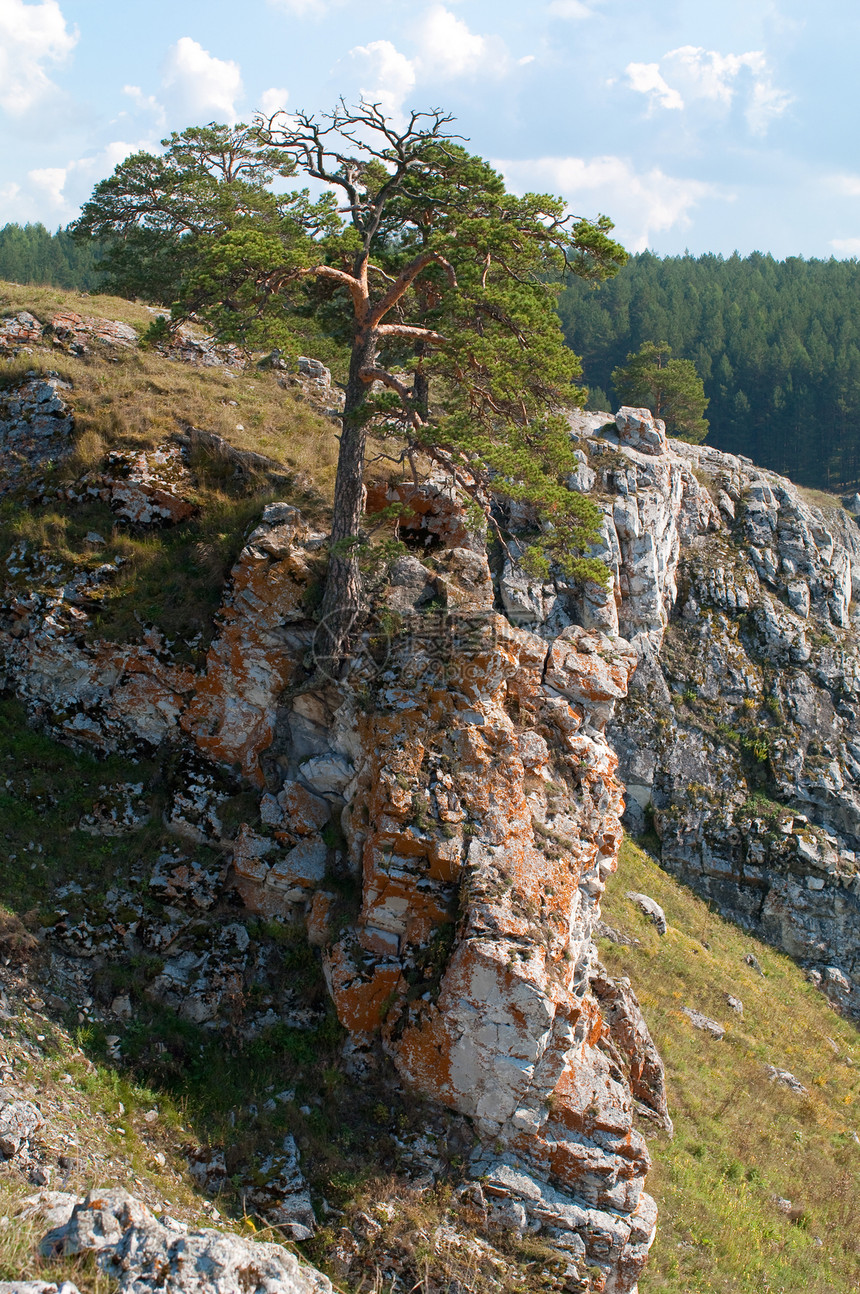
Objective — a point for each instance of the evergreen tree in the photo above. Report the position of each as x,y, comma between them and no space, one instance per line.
203,206
435,268
31,254
751,325
670,388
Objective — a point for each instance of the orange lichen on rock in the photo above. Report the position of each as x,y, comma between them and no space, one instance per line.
492,801
232,716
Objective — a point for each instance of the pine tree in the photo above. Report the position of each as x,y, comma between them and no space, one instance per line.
435,269
670,388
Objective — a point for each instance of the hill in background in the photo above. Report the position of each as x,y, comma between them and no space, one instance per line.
777,344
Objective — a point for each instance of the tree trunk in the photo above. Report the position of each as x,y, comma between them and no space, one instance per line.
421,384
342,598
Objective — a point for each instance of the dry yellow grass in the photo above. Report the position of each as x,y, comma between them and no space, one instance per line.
43,301
137,398
130,399
820,498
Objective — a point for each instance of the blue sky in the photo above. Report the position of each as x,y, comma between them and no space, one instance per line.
713,126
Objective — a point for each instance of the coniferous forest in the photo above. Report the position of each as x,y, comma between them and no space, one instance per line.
32,254
777,344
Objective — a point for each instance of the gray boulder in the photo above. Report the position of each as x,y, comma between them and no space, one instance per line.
651,909
19,1122
147,1256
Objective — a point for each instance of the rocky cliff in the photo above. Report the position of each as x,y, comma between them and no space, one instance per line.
442,821
737,740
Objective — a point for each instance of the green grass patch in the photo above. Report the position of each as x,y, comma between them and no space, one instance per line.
45,791
741,1140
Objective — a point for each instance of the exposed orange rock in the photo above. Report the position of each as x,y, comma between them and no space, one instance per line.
481,812
490,823
431,512
253,659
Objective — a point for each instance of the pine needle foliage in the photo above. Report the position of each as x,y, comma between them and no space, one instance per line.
670,388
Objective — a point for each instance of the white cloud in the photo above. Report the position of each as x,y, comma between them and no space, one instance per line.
145,103
64,188
715,78
642,204
691,74
272,101
199,87
646,78
706,74
447,46
847,247
387,76
766,104
448,49
574,9
847,184
30,36
50,180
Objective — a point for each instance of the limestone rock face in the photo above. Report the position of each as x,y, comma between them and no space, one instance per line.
143,1254
462,773
35,427
485,819
232,715
738,737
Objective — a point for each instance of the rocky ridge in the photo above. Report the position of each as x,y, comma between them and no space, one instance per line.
737,738
461,779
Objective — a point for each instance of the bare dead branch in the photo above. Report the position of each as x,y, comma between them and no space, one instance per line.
377,269
411,330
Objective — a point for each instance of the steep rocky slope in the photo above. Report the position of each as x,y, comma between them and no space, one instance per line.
439,824
737,739
457,783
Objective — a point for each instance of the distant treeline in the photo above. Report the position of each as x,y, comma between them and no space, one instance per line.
777,344
31,254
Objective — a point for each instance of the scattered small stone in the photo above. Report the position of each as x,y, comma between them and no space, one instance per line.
735,1003
145,1254
752,960
786,1079
37,1287
620,937
704,1022
652,910
281,1194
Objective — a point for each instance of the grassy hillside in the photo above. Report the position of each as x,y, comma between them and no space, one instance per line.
127,400
741,1141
